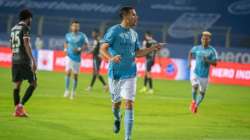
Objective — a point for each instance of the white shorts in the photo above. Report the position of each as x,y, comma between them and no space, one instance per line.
72,65
122,89
200,82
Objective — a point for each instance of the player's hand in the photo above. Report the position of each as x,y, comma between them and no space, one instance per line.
77,50
65,51
116,59
157,47
205,59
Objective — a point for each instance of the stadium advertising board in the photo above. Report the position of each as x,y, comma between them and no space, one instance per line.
164,68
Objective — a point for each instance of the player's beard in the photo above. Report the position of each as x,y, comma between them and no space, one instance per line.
29,23
205,44
133,23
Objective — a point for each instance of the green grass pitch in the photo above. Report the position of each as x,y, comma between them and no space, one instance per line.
224,114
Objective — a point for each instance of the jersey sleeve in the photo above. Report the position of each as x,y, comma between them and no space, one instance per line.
214,55
85,39
109,37
193,50
66,39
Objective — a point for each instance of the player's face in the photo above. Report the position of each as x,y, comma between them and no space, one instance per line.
29,20
205,40
132,18
147,37
94,34
75,27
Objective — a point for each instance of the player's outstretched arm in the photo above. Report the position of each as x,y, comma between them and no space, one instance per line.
145,51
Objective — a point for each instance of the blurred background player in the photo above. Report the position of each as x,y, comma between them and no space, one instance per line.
39,42
76,42
205,55
97,60
38,46
150,59
121,46
23,63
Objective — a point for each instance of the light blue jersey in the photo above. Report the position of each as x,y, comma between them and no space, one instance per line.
75,41
201,67
123,42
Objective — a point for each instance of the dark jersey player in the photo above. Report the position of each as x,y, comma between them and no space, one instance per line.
23,63
150,60
97,60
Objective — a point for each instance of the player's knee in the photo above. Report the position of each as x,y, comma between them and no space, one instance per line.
117,105
17,85
202,93
129,104
97,73
195,88
76,76
68,73
33,84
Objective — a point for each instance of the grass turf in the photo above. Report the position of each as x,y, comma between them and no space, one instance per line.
224,114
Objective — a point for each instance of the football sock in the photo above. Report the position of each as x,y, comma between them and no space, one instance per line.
116,112
102,80
129,120
194,94
28,94
150,83
145,81
16,96
67,82
75,81
200,98
93,80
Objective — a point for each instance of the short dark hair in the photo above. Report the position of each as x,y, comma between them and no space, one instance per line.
96,30
148,33
74,21
25,14
125,10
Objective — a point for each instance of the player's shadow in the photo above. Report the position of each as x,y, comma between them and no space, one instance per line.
171,114
54,126
178,114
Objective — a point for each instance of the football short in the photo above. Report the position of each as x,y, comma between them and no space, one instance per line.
202,83
22,72
96,64
149,65
122,89
72,65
